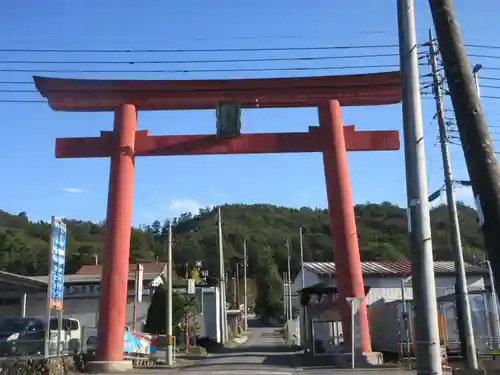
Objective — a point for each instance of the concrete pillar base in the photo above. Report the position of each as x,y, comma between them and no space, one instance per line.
108,366
372,358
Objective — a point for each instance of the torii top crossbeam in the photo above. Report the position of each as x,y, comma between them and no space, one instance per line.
106,95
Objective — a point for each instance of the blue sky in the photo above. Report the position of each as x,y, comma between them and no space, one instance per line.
36,182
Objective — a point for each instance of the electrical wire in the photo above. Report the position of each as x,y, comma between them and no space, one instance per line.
189,50
270,59
481,46
169,71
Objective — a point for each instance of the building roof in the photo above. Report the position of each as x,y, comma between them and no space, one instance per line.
96,269
92,273
106,95
18,283
388,268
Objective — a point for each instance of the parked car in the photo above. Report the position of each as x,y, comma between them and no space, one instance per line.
22,336
71,334
26,336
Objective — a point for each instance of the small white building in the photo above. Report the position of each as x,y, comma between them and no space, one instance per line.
384,282
385,279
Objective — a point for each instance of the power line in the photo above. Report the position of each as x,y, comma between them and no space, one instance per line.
270,59
481,46
187,50
167,71
489,79
483,56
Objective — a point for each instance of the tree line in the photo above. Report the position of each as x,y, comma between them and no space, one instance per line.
382,232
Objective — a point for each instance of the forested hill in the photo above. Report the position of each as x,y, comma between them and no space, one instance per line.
382,232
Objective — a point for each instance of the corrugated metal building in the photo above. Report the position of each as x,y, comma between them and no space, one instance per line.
384,279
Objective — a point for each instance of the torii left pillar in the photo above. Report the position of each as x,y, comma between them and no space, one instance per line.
115,268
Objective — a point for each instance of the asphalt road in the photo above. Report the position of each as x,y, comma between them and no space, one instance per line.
262,354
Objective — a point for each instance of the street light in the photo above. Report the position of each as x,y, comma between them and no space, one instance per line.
475,71
479,210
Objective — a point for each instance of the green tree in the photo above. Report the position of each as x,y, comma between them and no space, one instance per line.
156,320
156,228
270,288
382,235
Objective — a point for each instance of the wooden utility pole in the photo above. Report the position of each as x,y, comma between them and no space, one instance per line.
477,145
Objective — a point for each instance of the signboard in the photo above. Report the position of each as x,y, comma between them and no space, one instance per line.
57,262
228,119
191,286
139,282
139,343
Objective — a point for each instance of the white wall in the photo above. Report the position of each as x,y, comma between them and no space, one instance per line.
389,288
86,309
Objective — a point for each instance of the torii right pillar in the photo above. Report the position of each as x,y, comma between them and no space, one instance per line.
342,221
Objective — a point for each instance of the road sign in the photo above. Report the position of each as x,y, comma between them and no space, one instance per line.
57,262
191,286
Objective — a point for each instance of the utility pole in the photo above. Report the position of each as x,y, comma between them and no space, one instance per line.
222,291
289,280
235,286
186,312
456,242
245,290
476,141
424,284
170,358
302,279
285,297
285,303
480,217
303,310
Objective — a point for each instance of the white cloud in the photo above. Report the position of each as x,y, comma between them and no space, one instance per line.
463,194
72,190
184,205
168,210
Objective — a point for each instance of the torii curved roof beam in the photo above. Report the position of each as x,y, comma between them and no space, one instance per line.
105,95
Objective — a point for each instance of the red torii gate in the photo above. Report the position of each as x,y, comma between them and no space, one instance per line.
124,143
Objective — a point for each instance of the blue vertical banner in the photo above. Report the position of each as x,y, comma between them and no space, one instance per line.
57,262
